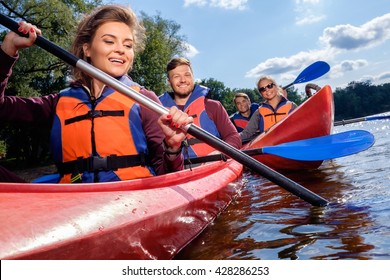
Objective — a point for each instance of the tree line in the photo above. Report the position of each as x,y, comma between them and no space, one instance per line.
38,73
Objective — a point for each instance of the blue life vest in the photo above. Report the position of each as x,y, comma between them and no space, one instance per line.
195,107
239,121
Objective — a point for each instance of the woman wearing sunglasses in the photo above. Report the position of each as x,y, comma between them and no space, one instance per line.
275,108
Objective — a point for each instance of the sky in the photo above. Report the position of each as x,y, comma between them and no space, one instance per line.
238,41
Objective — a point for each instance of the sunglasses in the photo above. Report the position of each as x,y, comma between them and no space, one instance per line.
269,86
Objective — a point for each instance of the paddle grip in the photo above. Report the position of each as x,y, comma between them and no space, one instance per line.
41,42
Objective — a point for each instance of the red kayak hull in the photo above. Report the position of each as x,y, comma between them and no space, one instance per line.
152,218
313,118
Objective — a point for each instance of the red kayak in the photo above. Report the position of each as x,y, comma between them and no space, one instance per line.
152,218
313,118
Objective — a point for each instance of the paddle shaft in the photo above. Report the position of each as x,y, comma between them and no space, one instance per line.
289,85
257,167
215,157
373,118
197,132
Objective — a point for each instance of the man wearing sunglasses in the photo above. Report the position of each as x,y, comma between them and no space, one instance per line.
275,108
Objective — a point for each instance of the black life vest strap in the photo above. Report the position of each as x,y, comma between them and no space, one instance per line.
95,114
275,114
97,163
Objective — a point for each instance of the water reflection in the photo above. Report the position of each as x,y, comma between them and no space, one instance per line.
267,222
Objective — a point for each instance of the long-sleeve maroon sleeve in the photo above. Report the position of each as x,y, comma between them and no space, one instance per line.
218,114
155,137
19,109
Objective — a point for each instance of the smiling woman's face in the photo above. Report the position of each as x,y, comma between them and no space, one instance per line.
267,89
111,49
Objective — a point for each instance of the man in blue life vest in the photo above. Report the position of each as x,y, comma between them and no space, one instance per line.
244,112
191,98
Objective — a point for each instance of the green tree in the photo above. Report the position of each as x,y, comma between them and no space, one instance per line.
218,91
361,99
163,42
217,88
38,73
294,96
3,149
253,94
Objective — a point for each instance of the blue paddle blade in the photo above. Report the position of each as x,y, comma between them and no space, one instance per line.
313,71
324,147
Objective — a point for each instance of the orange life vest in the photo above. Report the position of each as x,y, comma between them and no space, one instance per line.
270,116
106,135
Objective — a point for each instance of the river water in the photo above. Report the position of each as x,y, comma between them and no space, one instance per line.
266,222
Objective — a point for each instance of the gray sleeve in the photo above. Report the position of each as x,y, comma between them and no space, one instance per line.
252,127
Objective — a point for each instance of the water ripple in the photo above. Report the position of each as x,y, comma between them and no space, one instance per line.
267,222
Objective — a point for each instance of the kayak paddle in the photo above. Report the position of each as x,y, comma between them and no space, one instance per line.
312,149
311,72
373,118
192,129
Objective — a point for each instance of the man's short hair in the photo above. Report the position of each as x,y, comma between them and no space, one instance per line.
240,94
177,61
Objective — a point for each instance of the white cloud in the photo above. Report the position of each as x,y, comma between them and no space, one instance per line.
191,51
229,4
367,78
372,79
349,37
286,67
379,79
195,3
308,12
307,1
383,76
309,19
337,40
340,69
350,65
224,4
